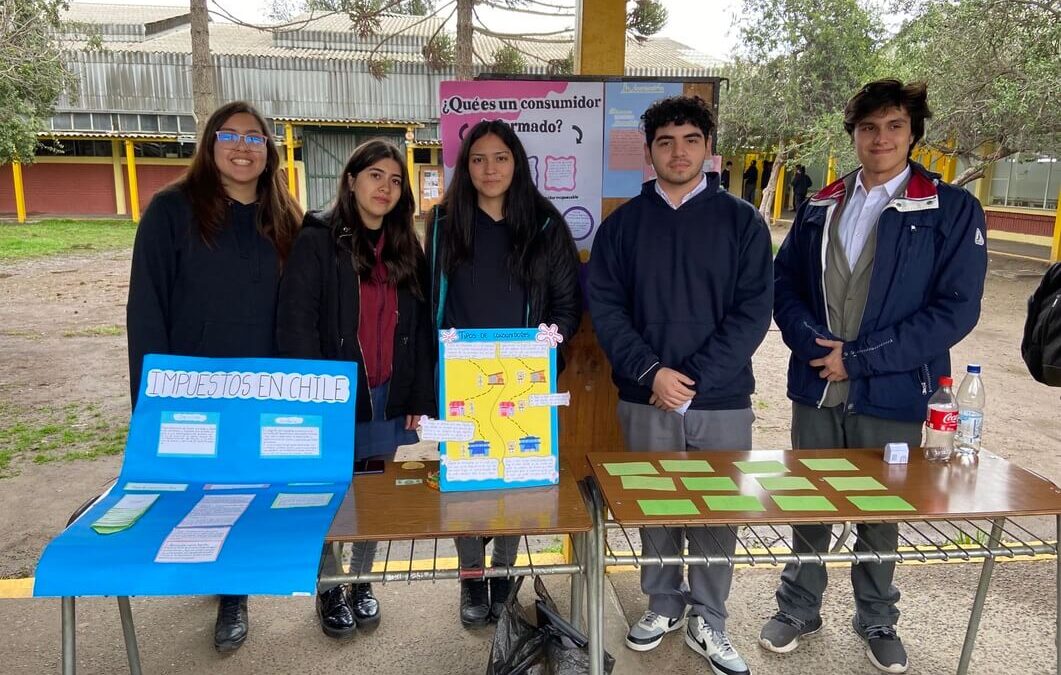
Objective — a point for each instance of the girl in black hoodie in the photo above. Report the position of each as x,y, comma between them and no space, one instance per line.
355,289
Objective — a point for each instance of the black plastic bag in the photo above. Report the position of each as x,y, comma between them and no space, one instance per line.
518,644
566,649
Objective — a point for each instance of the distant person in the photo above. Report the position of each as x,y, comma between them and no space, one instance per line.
206,267
680,289
881,274
801,182
355,289
751,178
501,256
724,178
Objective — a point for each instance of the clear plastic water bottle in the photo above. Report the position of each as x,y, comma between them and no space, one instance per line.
941,423
971,400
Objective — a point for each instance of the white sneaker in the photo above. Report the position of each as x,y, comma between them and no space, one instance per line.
715,647
647,633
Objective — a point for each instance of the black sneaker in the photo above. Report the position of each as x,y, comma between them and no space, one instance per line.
499,592
333,610
781,633
366,607
475,603
883,647
230,629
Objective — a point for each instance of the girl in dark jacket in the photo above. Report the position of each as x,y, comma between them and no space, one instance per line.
206,266
501,256
355,289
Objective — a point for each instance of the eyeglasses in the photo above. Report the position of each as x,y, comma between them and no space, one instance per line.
252,141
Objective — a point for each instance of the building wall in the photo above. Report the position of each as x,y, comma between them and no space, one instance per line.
61,189
1017,222
150,178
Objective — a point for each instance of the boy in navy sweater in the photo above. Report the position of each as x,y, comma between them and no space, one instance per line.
680,290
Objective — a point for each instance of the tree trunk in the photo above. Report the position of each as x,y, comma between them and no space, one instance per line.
977,170
203,92
766,206
465,33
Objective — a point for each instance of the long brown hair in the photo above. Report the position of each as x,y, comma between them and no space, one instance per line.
401,252
279,215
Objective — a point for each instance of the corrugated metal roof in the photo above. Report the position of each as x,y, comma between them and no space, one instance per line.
309,121
84,12
414,26
103,135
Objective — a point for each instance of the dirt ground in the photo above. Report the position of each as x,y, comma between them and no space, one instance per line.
59,346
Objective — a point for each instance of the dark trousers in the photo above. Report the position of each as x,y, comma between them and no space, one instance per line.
802,586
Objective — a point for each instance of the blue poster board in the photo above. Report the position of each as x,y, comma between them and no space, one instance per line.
241,463
498,420
625,168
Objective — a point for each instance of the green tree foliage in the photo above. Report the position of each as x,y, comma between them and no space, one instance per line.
509,60
799,62
993,70
646,17
32,75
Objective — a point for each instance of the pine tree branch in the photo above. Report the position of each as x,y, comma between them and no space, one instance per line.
524,10
395,34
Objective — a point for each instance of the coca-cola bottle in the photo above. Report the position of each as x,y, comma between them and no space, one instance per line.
941,423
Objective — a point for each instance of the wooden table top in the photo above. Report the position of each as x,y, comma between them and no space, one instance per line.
988,487
376,508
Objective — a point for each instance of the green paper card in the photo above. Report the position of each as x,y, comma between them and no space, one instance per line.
762,466
786,483
709,483
630,468
649,483
733,503
668,507
686,465
883,503
849,483
793,503
836,464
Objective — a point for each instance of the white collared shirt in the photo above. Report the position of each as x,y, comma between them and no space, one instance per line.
700,187
862,211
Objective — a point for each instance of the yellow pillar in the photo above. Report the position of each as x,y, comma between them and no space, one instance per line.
830,170
289,149
779,192
20,191
600,43
1055,250
119,178
950,168
134,192
410,136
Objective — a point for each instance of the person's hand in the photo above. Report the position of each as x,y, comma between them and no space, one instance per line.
671,389
412,422
832,364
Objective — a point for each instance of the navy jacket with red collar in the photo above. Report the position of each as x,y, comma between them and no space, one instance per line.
924,296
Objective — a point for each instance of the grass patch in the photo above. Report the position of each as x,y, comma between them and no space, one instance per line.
96,331
73,432
556,546
51,237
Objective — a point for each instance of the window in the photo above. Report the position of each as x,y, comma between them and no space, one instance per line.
1027,181
83,121
421,155
149,123
129,122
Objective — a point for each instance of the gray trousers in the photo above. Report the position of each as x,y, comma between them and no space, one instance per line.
647,428
362,555
802,586
471,551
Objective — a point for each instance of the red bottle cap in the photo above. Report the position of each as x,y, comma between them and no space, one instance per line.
945,381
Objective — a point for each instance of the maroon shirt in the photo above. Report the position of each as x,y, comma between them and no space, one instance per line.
377,322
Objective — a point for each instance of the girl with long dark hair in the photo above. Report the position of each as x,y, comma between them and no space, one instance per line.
355,289
206,267
501,256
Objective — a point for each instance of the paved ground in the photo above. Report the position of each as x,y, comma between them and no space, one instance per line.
420,632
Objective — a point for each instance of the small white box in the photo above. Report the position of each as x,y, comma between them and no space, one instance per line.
897,453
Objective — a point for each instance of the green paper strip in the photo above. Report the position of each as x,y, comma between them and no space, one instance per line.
733,503
649,483
709,483
630,468
762,466
833,464
686,465
882,503
786,483
668,507
849,483
794,503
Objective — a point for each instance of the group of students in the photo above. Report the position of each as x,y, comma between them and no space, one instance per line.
881,273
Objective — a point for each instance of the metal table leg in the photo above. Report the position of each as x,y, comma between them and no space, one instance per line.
69,624
578,581
129,632
595,583
981,594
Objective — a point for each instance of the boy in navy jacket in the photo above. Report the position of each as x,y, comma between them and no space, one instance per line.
680,294
881,274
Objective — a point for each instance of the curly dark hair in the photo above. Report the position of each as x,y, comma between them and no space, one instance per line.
677,110
887,94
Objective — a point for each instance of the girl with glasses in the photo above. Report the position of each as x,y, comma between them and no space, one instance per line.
206,268
355,289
